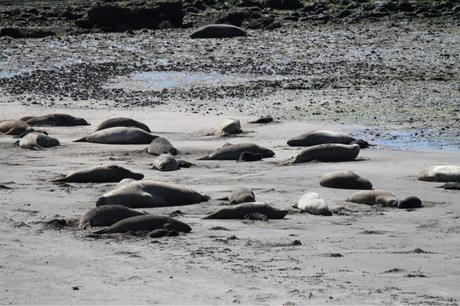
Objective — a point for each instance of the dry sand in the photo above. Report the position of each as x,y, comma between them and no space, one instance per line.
362,255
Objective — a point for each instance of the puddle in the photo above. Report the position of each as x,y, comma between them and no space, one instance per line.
407,140
159,80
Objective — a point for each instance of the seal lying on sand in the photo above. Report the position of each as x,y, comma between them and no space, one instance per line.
410,202
122,122
119,135
146,223
166,162
107,215
345,180
37,141
320,137
229,126
451,186
100,174
240,195
150,193
330,152
263,119
14,127
313,204
244,210
218,31
233,151
444,173
55,120
160,146
373,197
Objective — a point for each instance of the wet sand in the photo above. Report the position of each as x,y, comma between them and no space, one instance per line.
360,254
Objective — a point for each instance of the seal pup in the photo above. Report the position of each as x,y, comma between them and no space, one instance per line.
37,141
218,31
240,195
229,126
233,151
373,197
345,180
54,120
313,204
410,202
245,210
107,215
165,162
121,122
149,193
441,173
160,146
119,135
15,127
331,152
145,223
100,174
451,186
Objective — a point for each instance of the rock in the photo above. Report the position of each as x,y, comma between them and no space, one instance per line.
25,33
263,119
229,126
285,4
218,31
237,16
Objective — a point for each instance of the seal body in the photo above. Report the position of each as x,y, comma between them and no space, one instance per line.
241,211
148,193
37,140
345,180
241,195
122,122
14,127
160,146
451,186
233,151
373,197
119,135
218,31
327,153
410,202
55,120
100,174
313,204
442,173
320,137
229,126
165,162
107,215
146,223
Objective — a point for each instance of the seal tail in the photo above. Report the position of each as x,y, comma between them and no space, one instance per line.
204,158
80,140
101,231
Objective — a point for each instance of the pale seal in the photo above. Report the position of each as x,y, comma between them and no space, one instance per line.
100,174
148,193
229,126
233,151
345,180
37,141
119,135
218,31
311,202
240,195
122,122
442,173
145,223
160,146
326,153
245,210
14,127
107,215
54,120
373,197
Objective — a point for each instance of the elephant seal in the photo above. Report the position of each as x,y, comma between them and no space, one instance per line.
37,141
119,135
148,193
160,146
319,137
451,186
240,195
146,223
313,204
244,210
249,157
165,162
218,31
345,180
229,126
263,119
331,152
100,174
373,197
14,127
233,151
122,122
54,120
107,215
410,202
444,173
